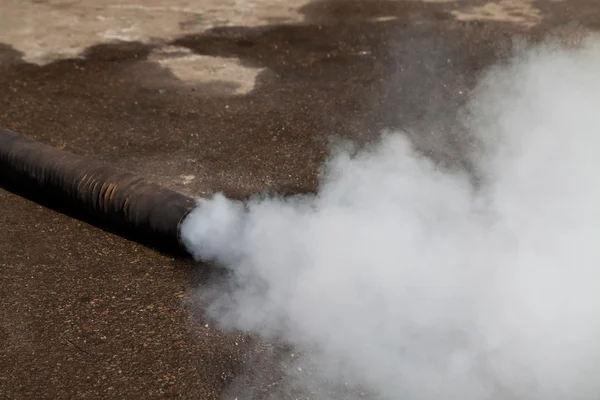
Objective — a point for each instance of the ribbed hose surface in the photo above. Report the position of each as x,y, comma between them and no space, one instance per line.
122,198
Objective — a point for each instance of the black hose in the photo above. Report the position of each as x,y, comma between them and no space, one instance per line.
120,200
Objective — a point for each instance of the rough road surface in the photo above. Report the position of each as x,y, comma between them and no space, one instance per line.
205,96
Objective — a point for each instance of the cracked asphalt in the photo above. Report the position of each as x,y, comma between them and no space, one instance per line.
87,314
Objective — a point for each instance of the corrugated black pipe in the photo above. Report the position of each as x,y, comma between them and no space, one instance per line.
116,200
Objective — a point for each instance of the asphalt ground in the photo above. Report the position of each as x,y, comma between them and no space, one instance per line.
85,313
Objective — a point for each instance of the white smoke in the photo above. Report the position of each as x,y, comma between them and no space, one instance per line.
423,284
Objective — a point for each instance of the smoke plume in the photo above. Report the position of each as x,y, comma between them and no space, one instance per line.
423,283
